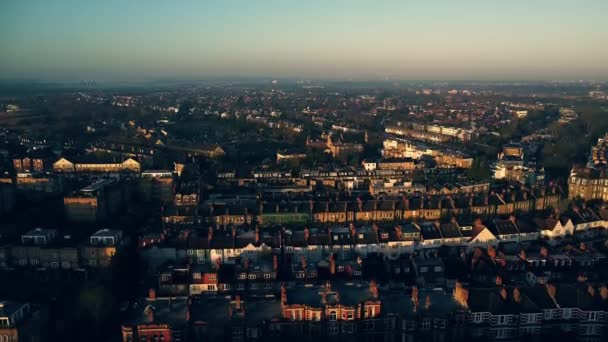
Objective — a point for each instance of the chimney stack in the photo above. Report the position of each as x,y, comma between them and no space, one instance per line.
283,294
257,235
516,295
332,264
152,294
306,234
275,263
415,297
503,293
590,290
210,235
373,289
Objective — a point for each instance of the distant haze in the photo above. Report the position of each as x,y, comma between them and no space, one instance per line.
122,40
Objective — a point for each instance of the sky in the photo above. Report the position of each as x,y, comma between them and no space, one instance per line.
138,40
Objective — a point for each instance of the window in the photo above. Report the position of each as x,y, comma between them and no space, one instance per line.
347,328
477,317
369,325
268,286
592,316
266,275
389,324
333,329
502,319
196,275
252,276
426,323
240,286
549,314
332,316
212,277
242,276
210,287
529,318
567,313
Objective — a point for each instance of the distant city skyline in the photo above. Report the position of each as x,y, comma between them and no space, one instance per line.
142,40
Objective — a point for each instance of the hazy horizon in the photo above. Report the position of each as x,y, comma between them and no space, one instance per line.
148,40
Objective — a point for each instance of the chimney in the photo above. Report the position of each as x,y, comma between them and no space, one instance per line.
522,254
461,295
283,294
306,234
150,313
303,261
359,204
512,219
406,203
353,230
551,292
581,278
373,288
503,293
604,292
544,252
427,303
311,205
233,232
359,260
516,295
498,281
275,263
332,264
591,290
415,297
398,230
210,235
237,303
492,253
257,235
152,294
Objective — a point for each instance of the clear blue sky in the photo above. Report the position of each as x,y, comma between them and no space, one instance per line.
431,39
